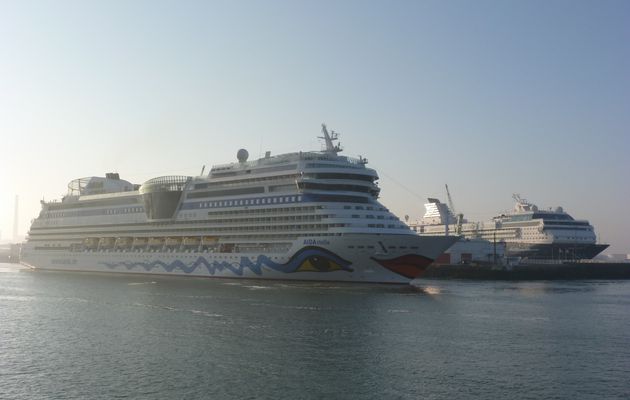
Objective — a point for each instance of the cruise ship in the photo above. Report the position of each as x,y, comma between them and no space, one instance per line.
527,231
301,216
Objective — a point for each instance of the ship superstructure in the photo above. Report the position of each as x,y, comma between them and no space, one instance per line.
307,215
527,231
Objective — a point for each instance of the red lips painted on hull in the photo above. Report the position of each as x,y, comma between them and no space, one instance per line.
410,265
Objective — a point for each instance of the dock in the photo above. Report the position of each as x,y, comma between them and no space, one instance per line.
525,272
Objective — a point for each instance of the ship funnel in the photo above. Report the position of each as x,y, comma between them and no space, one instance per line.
161,196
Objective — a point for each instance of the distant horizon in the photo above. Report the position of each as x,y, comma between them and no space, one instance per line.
491,98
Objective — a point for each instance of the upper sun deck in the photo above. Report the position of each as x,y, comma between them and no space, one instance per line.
526,211
328,157
97,185
92,188
290,158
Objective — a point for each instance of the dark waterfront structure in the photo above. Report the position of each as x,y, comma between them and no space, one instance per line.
531,271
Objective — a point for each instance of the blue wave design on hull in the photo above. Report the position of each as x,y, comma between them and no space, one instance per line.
293,265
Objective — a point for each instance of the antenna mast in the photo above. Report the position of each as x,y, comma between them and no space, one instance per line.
329,139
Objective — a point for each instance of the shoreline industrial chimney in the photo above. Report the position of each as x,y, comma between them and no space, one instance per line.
15,219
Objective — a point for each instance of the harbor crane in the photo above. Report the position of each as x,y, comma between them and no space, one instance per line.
459,217
450,200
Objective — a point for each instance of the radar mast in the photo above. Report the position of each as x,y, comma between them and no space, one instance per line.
329,139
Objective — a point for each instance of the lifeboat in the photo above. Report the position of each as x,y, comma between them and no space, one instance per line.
173,241
208,240
191,241
226,248
156,241
123,242
90,243
140,241
106,243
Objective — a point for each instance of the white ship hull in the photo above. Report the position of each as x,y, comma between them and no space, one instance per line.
301,216
351,258
526,232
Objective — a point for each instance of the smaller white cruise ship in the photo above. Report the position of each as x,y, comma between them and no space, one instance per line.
527,231
307,215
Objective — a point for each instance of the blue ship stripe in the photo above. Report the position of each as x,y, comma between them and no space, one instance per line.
236,268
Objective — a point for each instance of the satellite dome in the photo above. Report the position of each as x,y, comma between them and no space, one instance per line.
242,155
559,210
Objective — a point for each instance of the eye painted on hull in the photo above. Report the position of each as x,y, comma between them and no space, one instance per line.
317,259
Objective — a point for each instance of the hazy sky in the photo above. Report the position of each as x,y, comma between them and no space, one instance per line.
491,97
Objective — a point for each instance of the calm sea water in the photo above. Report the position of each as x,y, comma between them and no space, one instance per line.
92,336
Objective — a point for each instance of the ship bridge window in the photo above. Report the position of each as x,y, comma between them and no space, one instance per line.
216,174
273,169
337,198
357,177
334,187
554,217
336,165
516,218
